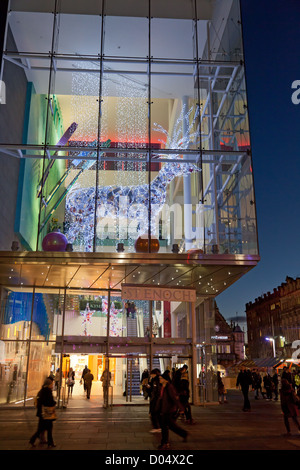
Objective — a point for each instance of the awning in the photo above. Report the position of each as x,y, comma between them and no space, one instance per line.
209,275
259,363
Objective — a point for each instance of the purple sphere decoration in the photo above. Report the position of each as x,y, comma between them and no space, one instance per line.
54,241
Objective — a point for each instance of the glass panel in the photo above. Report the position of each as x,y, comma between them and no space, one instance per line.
124,113
41,361
137,319
13,365
15,315
79,35
122,204
224,37
26,91
172,38
126,37
176,129
73,127
29,39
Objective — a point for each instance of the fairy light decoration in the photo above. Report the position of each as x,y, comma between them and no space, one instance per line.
87,315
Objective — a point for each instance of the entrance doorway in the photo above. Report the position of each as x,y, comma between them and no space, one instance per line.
127,372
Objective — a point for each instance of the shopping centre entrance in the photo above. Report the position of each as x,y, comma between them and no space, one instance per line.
126,371
141,338
85,309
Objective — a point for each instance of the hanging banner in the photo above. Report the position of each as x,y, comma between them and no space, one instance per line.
167,294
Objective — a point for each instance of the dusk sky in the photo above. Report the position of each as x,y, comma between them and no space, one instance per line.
271,31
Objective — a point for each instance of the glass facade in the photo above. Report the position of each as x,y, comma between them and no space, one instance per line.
129,121
133,126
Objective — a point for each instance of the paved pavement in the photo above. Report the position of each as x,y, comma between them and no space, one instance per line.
84,425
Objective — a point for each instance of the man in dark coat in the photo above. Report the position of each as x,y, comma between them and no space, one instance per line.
244,380
154,393
167,406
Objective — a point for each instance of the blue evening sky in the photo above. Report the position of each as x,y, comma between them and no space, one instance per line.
271,30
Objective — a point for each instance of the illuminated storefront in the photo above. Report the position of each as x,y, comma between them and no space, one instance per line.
134,166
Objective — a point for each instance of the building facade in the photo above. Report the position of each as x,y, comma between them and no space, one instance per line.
230,342
275,316
127,186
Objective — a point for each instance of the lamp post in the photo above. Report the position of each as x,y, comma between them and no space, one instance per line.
272,340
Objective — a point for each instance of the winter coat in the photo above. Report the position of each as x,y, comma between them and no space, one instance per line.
45,398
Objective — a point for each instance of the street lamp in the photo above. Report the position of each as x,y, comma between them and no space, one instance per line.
273,341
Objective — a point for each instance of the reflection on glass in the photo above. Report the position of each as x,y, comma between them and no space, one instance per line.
13,366
41,360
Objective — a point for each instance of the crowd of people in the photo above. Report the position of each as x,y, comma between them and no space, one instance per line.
286,386
168,395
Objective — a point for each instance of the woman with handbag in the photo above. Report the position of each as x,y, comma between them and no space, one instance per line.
45,413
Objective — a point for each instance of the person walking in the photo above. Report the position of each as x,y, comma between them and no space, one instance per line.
154,393
181,382
244,380
288,405
45,413
105,379
221,389
167,406
85,370
286,374
268,386
144,383
257,381
71,381
57,381
275,384
88,379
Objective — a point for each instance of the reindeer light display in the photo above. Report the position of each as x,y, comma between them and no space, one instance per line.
129,204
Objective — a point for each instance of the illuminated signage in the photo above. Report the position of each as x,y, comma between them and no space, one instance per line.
130,291
219,337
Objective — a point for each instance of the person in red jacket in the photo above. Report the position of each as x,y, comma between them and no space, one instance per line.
167,407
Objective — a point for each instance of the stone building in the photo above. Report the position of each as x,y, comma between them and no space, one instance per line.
273,321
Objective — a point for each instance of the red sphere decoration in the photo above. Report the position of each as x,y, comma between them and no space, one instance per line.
142,245
55,241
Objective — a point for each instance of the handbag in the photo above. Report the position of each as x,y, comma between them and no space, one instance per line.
48,412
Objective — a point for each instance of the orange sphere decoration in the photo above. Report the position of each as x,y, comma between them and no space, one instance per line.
142,245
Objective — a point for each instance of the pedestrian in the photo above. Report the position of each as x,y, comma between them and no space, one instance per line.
144,383
154,393
275,384
268,386
183,389
45,413
155,330
85,370
286,375
71,381
105,379
288,405
88,379
221,389
257,381
57,381
167,406
244,380
297,381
